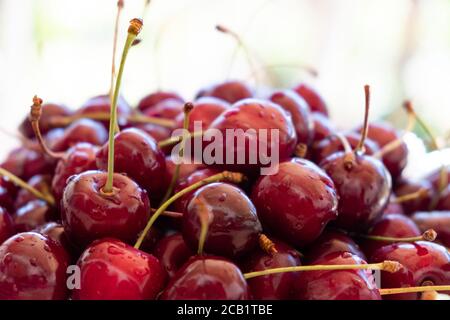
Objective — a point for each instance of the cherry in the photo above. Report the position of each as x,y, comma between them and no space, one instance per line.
444,200
299,110
6,225
32,267
83,130
435,177
423,263
25,163
167,109
55,231
392,225
437,220
32,214
233,227
38,182
172,251
314,100
337,284
393,206
159,133
79,158
298,184
7,193
419,203
277,286
49,111
322,127
231,91
137,155
113,270
154,98
332,242
207,278
186,169
255,114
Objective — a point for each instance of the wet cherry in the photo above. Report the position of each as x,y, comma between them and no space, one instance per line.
154,98
439,221
172,252
32,214
230,91
314,100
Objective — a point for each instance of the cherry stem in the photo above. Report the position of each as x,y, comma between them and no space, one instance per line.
234,177
411,196
360,146
133,30
174,140
266,244
170,214
34,117
187,109
301,150
203,215
344,142
413,289
428,235
389,266
22,184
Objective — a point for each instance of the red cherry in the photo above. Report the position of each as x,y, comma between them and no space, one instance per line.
276,286
322,127
6,225
32,214
88,214
421,203
7,193
393,207
49,111
167,109
439,221
314,100
55,231
207,278
421,261
113,270
337,284
435,177
298,184
32,267
25,163
159,133
172,251
186,169
230,91
153,99
39,182
444,200
299,110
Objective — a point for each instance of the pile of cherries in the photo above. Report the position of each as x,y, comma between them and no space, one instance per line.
98,188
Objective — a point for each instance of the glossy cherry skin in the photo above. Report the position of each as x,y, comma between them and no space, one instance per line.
26,162
87,214
137,155
173,252
419,204
83,130
185,170
113,270
363,189
276,286
207,278
332,242
8,192
298,108
255,114
233,228
337,284
6,225
391,225
205,111
314,100
157,132
167,109
32,214
322,127
421,261
332,144
32,267
439,221
79,158
55,231
395,160
39,182
393,207
49,112
298,184
231,91
154,98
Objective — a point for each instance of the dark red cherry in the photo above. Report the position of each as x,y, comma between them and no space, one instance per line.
113,270
137,155
255,114
332,242
322,127
83,130
298,108
26,162
363,186
79,158
395,160
421,203
49,112
205,111
167,109
207,278
337,284
298,184
444,200
32,267
233,228
391,225
439,221
55,231
186,169
6,225
157,132
88,214
423,263
393,206
39,182
435,177
32,214
231,91
8,192
314,100
276,286
154,98
173,252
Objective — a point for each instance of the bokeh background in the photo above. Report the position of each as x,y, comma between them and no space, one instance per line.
61,50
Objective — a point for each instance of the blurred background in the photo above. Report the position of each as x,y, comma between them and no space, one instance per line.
61,50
